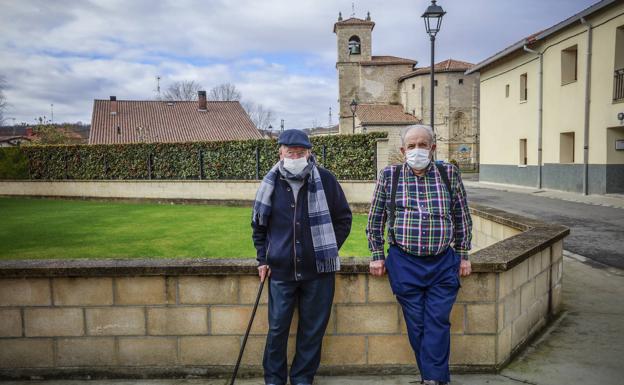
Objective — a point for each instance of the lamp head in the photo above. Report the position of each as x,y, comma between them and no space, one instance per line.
433,18
353,106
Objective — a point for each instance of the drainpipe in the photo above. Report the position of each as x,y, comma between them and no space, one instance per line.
540,105
587,101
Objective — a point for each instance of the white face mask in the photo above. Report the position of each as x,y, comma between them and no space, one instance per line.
295,166
417,158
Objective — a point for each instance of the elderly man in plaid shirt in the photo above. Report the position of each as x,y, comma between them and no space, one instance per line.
429,232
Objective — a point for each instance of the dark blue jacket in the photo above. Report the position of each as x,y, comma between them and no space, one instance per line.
285,243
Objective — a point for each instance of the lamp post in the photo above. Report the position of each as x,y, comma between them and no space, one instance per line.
353,106
433,20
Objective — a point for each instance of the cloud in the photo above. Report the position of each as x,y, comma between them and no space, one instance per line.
279,53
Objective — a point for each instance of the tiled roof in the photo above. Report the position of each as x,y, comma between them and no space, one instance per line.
384,114
9,137
169,122
387,60
353,21
449,65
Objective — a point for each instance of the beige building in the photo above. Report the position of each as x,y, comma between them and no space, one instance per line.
551,104
391,92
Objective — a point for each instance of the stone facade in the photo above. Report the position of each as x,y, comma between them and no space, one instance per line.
167,318
361,76
456,113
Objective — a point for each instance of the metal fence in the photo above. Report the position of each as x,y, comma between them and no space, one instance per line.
618,84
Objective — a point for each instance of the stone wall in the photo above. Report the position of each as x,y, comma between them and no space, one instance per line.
374,84
357,192
137,318
452,100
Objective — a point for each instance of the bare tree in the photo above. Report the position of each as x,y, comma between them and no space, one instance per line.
182,90
260,115
225,92
3,102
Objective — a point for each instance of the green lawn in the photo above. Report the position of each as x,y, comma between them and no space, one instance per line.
49,228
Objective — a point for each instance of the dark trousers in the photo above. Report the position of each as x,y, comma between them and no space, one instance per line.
314,299
426,288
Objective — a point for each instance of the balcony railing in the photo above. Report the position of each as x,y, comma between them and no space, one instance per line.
618,85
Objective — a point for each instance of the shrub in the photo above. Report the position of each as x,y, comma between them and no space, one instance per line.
347,156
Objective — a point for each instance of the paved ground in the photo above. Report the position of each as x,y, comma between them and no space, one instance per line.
596,222
585,346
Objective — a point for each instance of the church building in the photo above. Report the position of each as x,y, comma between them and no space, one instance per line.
387,93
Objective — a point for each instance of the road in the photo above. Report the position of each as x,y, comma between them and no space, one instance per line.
596,232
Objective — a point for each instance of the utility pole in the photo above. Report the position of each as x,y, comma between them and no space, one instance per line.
158,86
52,113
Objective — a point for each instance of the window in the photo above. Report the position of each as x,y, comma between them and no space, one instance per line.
566,147
569,57
618,66
354,45
523,87
507,90
461,81
435,82
413,86
523,152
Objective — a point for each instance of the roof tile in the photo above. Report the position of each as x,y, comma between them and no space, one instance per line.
384,114
170,122
449,65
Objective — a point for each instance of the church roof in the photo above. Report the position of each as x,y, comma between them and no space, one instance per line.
353,21
449,65
387,60
384,114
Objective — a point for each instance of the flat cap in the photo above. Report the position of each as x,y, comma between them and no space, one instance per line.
294,138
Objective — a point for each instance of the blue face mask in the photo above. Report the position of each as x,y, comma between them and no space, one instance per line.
295,166
418,158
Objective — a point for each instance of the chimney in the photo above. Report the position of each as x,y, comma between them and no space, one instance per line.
29,131
201,97
113,105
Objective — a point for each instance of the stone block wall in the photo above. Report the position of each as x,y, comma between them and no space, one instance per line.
166,317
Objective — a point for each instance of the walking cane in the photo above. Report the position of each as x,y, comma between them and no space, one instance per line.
242,349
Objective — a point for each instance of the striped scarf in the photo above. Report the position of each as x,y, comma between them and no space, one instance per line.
323,236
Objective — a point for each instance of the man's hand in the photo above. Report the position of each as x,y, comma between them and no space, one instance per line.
264,271
465,268
377,268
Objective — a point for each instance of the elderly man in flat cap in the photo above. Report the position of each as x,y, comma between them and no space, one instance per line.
300,220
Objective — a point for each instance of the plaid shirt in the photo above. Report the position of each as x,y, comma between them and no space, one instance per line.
424,223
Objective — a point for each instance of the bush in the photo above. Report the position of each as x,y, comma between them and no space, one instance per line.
13,163
347,156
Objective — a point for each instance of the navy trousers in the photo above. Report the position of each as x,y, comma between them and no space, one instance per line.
314,299
426,288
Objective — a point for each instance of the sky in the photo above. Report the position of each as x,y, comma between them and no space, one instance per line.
280,53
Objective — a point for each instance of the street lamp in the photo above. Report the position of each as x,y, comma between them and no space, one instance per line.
353,106
433,20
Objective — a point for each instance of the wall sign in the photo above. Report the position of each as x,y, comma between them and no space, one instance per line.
619,145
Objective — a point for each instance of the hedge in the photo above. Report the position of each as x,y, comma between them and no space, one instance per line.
349,157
